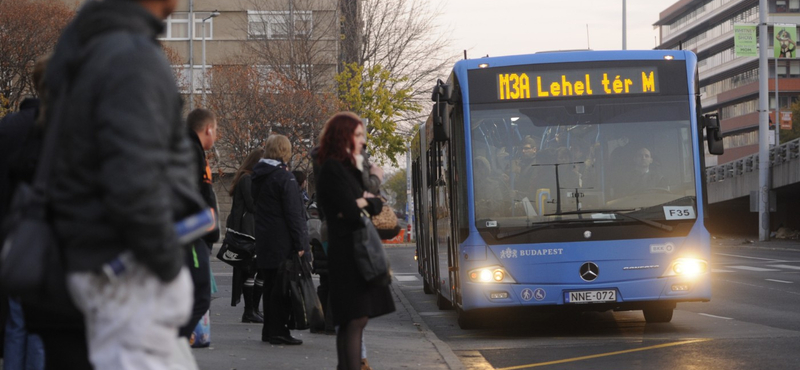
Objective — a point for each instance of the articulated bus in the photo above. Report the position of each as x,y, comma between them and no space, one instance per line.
565,181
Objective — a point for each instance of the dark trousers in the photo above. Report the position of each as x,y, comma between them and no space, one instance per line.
65,348
276,306
200,269
323,292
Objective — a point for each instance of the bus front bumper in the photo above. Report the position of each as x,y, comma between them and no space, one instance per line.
622,295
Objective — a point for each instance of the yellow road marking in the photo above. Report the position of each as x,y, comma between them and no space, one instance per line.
605,354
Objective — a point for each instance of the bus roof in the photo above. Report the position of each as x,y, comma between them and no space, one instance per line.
571,56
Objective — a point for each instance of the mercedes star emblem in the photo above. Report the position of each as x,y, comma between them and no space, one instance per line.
589,271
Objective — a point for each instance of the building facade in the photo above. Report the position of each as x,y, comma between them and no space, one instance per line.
729,84
296,37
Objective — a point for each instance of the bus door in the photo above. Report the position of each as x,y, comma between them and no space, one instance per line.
445,248
430,193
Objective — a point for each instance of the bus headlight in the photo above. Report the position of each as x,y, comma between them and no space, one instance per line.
688,267
491,274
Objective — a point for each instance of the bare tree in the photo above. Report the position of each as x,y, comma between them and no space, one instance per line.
251,105
405,38
29,29
295,38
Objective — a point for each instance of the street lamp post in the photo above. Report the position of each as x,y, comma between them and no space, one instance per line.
212,15
624,26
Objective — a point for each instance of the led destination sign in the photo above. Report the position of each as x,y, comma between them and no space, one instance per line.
577,83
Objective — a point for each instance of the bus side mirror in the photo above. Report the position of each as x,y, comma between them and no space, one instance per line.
440,95
713,134
441,92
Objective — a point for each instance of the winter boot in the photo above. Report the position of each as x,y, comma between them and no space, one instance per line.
257,291
249,314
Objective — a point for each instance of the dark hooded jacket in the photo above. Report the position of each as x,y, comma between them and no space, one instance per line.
206,186
280,225
19,148
125,171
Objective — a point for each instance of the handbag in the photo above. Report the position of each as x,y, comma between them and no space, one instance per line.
371,260
306,309
31,262
238,249
386,223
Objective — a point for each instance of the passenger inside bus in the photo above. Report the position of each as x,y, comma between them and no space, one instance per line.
639,176
492,196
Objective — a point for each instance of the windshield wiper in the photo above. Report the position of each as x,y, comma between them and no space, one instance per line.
532,228
618,212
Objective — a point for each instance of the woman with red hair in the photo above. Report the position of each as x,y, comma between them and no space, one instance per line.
343,197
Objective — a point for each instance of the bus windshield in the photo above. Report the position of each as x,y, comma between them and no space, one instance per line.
580,161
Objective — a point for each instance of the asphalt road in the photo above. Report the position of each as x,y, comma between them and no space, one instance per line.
752,322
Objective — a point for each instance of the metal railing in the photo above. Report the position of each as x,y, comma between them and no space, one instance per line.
777,155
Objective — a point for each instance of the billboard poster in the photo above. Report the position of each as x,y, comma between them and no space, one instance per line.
785,41
745,41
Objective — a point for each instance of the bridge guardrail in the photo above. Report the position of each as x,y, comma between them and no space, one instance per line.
777,155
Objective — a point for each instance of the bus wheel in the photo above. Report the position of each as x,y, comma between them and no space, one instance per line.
658,314
426,287
467,321
442,302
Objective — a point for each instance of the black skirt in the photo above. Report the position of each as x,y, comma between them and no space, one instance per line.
350,295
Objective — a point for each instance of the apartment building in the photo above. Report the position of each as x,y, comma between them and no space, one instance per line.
297,37
729,84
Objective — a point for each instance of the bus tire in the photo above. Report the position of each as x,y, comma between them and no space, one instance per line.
442,303
426,288
658,314
467,321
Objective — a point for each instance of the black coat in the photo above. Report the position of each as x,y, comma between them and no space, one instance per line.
280,224
19,150
243,208
338,188
125,170
205,184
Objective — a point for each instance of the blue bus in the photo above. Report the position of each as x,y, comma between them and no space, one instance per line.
565,181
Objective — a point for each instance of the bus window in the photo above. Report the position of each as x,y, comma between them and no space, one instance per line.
618,155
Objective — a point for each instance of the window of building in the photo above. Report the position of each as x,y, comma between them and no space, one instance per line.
740,109
730,83
279,24
692,15
784,6
786,101
740,140
184,76
782,69
177,26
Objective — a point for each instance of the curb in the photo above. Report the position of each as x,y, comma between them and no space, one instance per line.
757,247
444,350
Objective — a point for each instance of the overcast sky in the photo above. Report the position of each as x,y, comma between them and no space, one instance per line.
508,27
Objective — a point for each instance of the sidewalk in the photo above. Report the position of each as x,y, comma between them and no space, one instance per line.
751,241
400,340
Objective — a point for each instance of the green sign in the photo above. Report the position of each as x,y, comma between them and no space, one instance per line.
744,40
785,41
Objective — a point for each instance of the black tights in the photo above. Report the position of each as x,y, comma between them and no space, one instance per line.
348,344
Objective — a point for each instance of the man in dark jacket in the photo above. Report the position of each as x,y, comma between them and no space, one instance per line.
19,144
280,232
54,319
203,133
123,178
